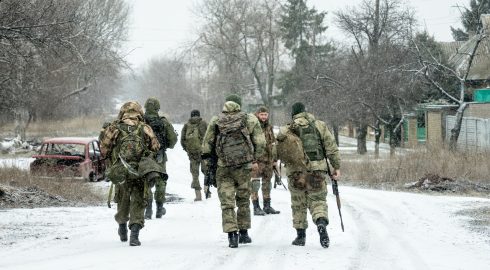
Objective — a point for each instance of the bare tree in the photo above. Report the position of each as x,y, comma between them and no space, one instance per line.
242,40
381,30
430,68
54,51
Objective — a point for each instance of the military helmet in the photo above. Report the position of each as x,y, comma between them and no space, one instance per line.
130,109
152,104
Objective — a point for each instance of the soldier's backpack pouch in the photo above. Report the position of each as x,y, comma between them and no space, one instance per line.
117,173
290,149
150,169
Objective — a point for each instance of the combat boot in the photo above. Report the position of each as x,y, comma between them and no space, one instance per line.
243,237
135,232
321,224
148,210
267,207
300,238
123,232
198,195
257,210
233,239
160,210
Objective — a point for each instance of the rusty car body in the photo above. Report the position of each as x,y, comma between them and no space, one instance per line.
74,157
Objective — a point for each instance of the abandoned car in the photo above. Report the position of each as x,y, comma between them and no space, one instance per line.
69,157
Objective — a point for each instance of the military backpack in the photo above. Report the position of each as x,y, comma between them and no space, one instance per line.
129,149
192,139
310,138
158,126
233,145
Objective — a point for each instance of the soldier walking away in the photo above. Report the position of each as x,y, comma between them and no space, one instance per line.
236,138
167,137
305,146
128,142
191,140
266,163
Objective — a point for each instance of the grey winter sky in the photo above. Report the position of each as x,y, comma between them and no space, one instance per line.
161,26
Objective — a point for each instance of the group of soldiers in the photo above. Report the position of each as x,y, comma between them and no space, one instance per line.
238,150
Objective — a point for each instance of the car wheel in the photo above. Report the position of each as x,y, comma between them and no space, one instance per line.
92,177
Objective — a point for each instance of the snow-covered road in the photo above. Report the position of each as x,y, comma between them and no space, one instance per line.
383,230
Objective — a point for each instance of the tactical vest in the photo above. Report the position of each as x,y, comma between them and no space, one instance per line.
311,140
158,126
233,145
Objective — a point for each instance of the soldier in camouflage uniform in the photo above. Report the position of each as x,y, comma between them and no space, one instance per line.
265,169
237,140
131,193
191,139
307,184
167,137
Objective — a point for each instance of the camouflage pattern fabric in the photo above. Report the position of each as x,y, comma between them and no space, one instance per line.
270,151
265,162
194,158
308,192
196,161
264,172
130,203
253,126
327,139
152,106
129,195
307,185
234,189
160,188
234,183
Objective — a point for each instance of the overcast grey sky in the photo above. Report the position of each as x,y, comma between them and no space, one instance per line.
161,26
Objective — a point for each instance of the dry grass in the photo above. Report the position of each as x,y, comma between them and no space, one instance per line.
415,164
69,191
81,126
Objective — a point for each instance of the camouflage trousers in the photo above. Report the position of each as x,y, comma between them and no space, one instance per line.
160,189
308,192
196,162
234,189
264,172
130,203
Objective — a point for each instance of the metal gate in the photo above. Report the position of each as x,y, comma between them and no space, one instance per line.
474,134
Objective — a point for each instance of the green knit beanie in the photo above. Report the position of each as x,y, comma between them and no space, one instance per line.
235,98
297,107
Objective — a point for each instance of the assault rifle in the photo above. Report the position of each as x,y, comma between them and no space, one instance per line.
277,178
335,189
210,176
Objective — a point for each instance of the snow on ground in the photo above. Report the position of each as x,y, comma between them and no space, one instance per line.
384,230
21,163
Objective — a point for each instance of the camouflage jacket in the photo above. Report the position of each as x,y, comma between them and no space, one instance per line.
110,134
270,144
328,141
253,126
202,129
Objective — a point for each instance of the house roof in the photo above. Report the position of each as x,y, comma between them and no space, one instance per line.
480,68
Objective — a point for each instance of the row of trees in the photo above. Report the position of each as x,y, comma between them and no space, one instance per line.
59,58
259,46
